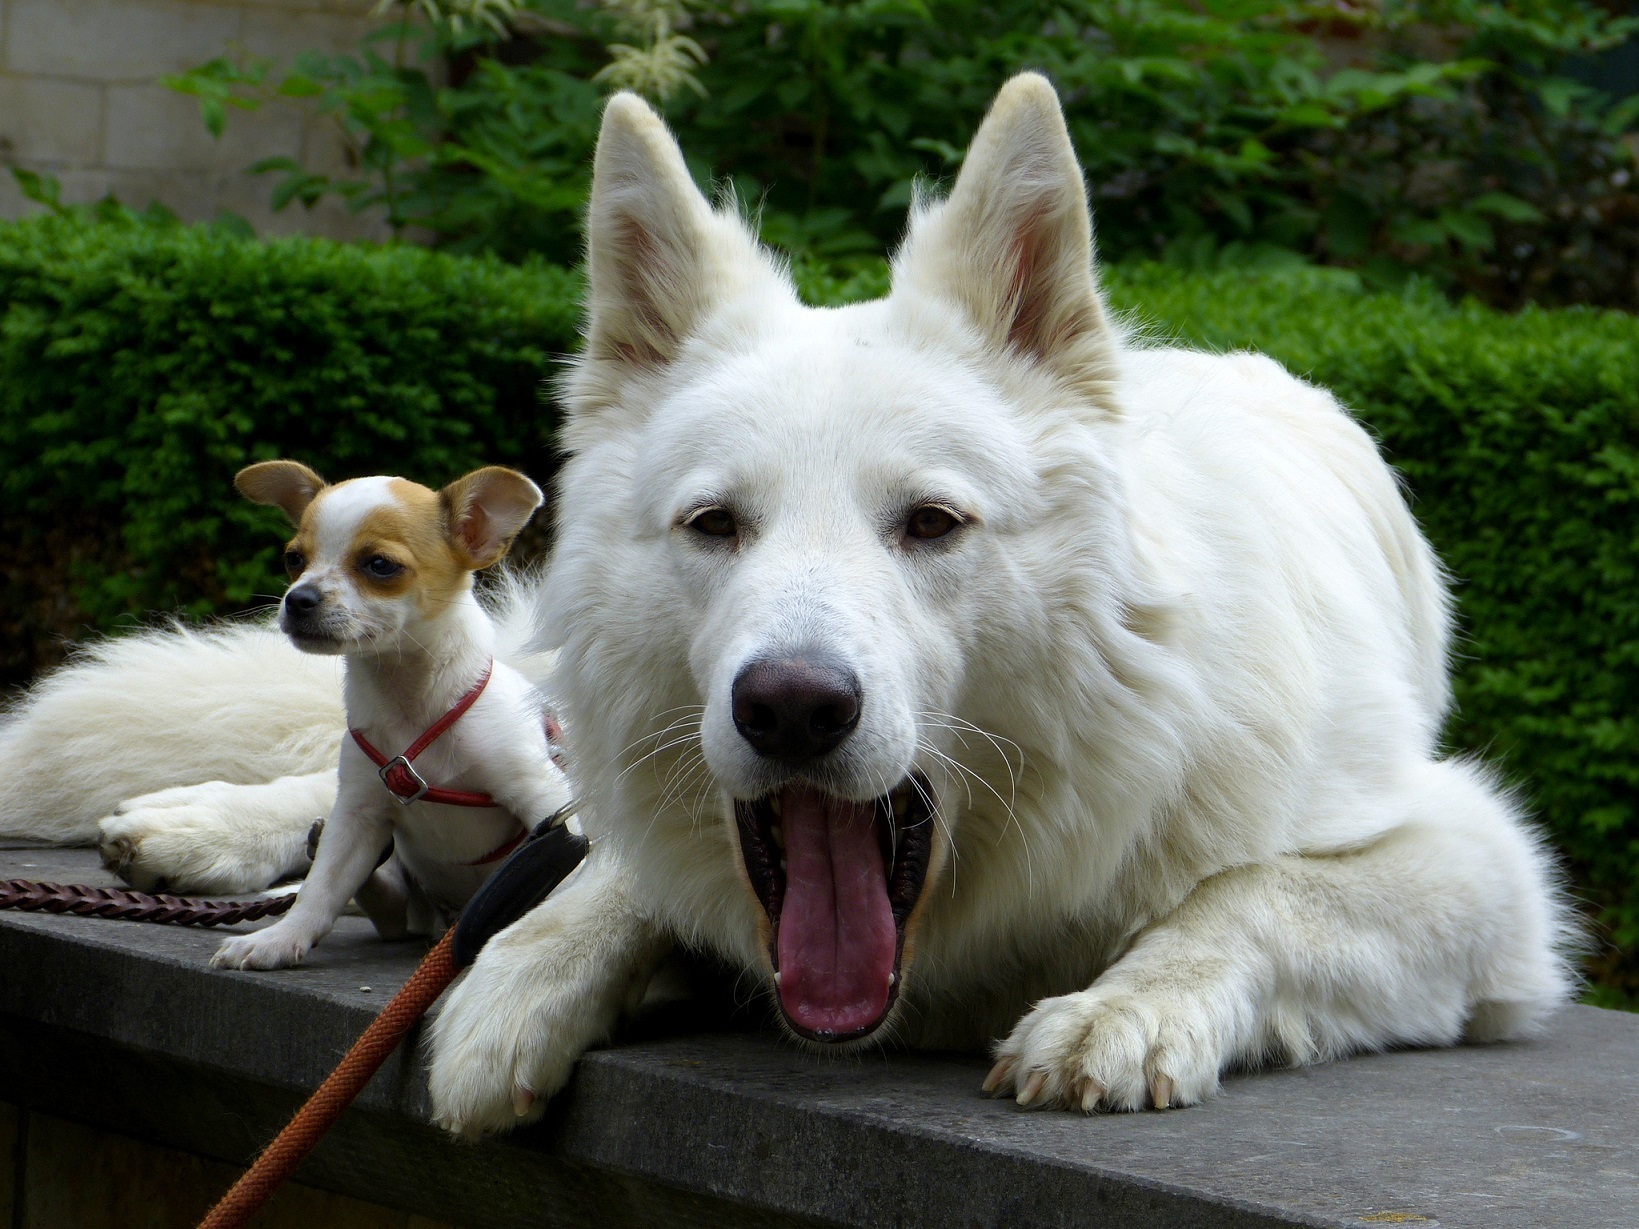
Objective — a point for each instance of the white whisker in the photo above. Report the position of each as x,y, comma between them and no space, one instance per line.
686,728
969,776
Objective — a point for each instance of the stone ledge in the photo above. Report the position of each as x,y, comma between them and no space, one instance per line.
122,1025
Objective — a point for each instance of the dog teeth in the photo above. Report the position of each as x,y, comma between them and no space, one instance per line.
774,804
901,799
778,833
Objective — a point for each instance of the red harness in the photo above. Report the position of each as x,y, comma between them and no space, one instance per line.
407,785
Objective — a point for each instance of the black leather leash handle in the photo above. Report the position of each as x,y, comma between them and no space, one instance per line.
526,878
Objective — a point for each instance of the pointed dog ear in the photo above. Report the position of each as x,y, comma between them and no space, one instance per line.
287,485
485,510
660,260
1013,245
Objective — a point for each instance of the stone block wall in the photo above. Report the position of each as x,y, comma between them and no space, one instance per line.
80,100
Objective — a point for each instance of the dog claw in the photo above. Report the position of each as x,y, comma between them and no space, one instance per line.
1091,1093
1161,1091
117,856
998,1076
1032,1087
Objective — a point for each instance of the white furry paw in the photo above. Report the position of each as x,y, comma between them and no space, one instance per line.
1109,1049
499,1053
266,949
541,993
199,838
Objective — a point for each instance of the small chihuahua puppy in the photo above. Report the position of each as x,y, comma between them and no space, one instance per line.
447,762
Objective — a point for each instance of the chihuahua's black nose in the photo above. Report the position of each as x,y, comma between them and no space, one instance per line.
303,599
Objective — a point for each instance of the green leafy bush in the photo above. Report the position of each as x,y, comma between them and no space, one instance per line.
1434,136
142,364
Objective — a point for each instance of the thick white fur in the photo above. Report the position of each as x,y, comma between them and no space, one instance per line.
111,747
1177,685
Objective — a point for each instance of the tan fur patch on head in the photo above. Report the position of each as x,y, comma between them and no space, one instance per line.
306,542
300,547
389,538
410,531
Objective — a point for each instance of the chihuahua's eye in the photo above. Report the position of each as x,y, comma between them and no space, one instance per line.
931,521
295,561
713,522
381,567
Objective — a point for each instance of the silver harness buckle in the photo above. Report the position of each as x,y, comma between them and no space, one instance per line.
398,761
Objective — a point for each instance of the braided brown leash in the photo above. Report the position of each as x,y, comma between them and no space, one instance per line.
125,905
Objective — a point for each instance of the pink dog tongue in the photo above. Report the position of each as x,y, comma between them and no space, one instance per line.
837,941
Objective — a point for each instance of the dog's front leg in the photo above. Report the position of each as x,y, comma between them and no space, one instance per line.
354,837
540,993
1439,929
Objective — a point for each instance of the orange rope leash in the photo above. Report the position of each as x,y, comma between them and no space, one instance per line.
525,879
291,1146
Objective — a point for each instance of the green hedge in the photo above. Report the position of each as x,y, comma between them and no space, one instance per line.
140,367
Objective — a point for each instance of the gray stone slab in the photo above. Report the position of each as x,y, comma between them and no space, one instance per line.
1497,1137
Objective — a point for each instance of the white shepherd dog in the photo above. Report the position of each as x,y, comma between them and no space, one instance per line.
965,672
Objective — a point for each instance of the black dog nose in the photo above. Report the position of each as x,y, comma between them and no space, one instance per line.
303,599
796,708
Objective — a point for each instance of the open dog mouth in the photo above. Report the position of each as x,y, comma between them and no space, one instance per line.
838,880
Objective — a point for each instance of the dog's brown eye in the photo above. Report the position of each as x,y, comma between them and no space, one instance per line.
381,567
294,562
713,523
931,521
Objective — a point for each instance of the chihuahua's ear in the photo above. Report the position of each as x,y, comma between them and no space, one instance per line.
485,510
287,485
